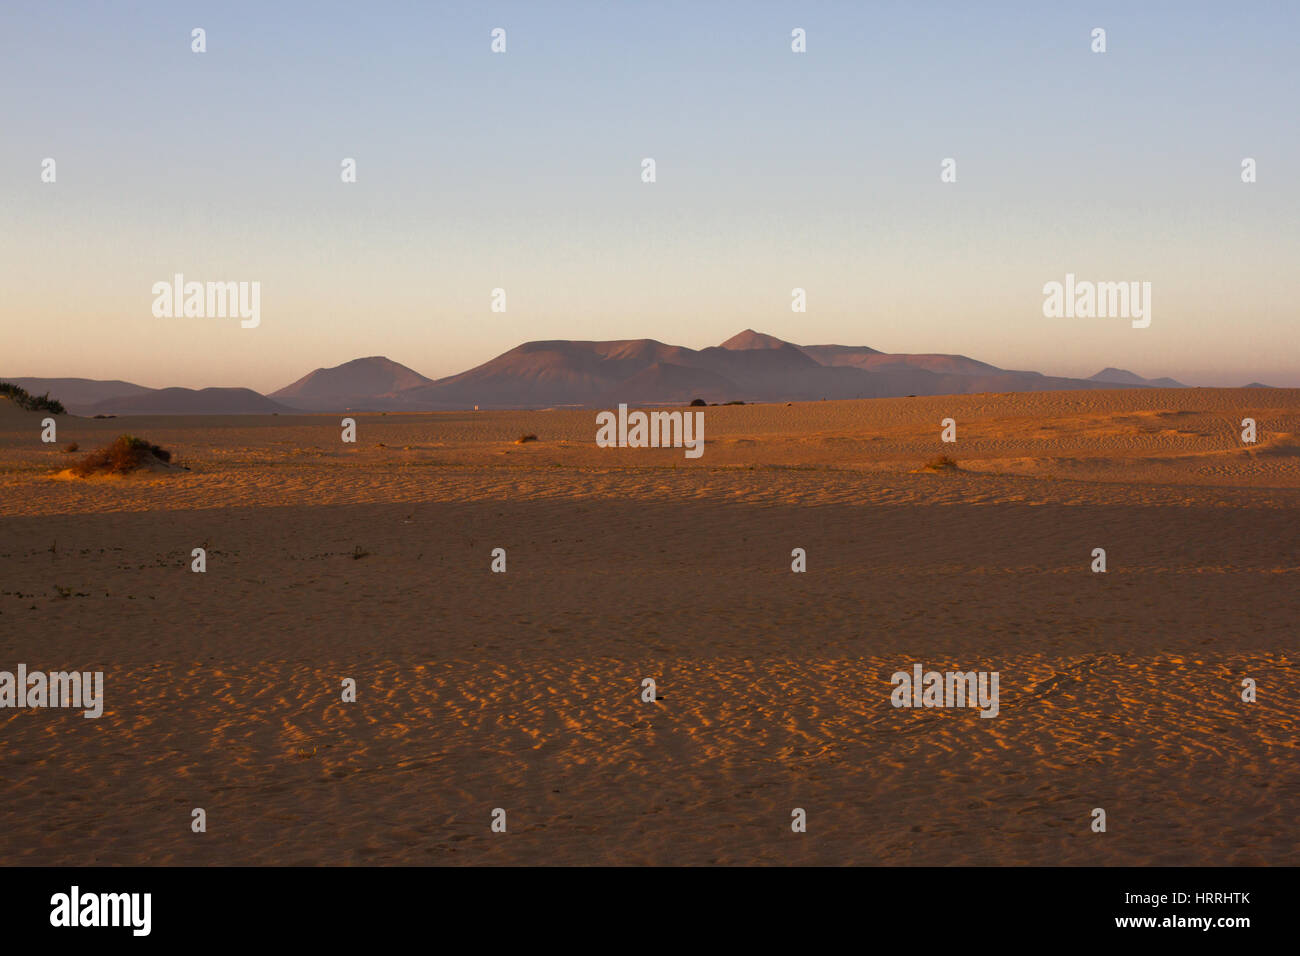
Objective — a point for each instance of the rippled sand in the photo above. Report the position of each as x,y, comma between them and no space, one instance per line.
480,690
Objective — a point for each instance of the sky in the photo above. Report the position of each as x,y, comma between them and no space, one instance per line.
522,171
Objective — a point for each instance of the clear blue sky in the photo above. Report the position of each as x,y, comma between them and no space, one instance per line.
522,171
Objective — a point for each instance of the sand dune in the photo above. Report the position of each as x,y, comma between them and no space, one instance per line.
479,690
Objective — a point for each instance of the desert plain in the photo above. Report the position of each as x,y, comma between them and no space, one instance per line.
523,690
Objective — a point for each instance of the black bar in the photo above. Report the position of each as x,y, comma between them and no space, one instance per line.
662,908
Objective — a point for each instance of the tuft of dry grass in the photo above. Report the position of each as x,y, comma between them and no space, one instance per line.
941,463
126,454
525,438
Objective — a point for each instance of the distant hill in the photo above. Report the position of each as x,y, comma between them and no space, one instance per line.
749,366
870,359
548,373
1120,376
749,340
79,394
652,384
364,384
190,401
1257,385
87,396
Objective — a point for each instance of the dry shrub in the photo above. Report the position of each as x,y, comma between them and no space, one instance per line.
126,454
941,463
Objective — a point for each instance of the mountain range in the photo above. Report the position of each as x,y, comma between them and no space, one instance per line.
749,367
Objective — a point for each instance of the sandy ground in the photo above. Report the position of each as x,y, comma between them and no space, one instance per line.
521,690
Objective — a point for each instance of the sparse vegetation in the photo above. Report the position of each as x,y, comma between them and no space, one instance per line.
73,446
33,403
733,403
698,401
941,463
525,438
126,454
358,553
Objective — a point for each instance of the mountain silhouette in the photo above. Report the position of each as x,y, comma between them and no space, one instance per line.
750,366
364,384
189,401
1120,376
